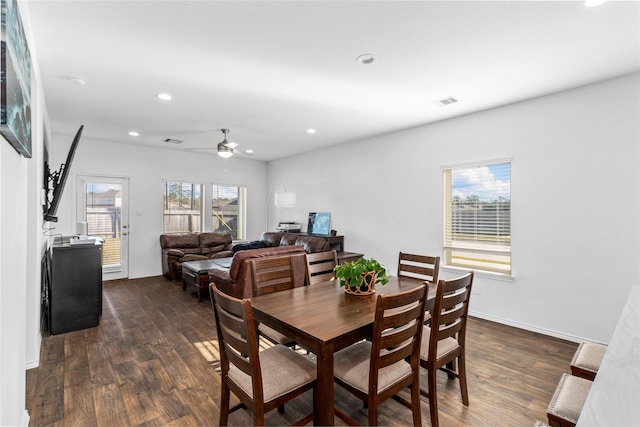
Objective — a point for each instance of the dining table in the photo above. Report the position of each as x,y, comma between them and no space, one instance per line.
323,319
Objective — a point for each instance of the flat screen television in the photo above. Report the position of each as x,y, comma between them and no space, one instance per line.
54,181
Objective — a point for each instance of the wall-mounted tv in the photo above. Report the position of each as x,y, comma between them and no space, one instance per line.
54,181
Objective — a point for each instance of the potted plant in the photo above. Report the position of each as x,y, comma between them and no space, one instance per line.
360,277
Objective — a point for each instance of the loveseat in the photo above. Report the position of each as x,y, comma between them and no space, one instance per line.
237,281
179,248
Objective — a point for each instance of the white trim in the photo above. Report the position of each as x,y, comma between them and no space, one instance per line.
479,273
478,163
527,327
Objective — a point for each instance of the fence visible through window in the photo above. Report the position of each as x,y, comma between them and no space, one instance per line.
103,204
227,210
182,207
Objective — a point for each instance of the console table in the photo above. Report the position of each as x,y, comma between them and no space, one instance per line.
336,243
74,286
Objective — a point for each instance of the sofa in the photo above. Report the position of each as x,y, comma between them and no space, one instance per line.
179,248
237,281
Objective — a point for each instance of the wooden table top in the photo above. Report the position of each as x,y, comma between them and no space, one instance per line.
324,312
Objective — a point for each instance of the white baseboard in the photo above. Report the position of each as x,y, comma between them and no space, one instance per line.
530,328
32,364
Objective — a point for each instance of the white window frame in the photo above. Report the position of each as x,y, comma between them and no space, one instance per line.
195,227
241,210
478,250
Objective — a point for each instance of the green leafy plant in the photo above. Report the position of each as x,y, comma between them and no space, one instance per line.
354,273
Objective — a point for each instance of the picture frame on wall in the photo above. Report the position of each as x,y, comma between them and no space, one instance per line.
319,223
15,80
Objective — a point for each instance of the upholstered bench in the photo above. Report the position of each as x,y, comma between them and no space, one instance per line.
586,360
567,401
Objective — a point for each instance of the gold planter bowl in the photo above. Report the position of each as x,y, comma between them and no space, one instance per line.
367,287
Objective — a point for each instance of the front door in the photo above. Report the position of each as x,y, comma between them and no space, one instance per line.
103,203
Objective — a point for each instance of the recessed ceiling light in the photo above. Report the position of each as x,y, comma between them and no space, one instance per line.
594,3
366,59
248,151
134,133
310,131
165,96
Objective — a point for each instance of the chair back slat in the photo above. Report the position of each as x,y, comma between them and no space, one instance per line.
272,275
320,266
397,329
418,267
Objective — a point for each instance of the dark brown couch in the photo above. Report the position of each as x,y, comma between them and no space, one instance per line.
237,281
179,248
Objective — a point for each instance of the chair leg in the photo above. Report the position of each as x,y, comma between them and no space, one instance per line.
281,409
433,397
258,416
373,411
224,403
462,376
415,401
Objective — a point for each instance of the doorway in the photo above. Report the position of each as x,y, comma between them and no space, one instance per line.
103,204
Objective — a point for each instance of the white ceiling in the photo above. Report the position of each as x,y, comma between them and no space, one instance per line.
270,70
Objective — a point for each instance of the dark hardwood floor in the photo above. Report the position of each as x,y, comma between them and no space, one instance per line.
152,362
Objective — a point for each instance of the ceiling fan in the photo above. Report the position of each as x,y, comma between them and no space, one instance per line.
225,148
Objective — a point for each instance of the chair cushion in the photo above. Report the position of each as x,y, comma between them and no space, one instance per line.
588,356
569,398
283,370
445,346
351,365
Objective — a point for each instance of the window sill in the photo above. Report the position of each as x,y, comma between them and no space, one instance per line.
479,273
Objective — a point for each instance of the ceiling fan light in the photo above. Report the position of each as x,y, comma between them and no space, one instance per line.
224,151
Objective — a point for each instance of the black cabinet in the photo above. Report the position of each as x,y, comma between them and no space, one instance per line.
75,287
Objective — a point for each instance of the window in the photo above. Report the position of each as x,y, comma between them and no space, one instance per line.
182,207
228,210
477,216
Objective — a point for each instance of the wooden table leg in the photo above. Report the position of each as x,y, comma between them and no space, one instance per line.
324,390
202,285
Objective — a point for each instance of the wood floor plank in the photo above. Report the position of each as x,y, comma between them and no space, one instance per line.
79,406
153,360
110,407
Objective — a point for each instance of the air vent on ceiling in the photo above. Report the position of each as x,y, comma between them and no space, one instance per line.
446,101
173,141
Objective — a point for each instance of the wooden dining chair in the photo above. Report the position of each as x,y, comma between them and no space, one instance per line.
378,369
262,380
272,274
320,267
419,267
443,343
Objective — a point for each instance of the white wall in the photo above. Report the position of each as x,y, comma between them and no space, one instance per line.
146,169
21,248
575,201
